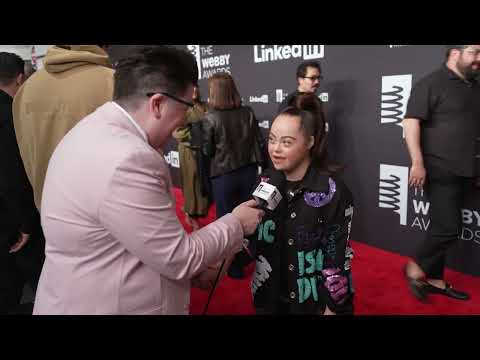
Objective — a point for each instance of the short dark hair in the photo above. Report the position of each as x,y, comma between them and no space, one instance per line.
302,68
154,68
454,47
11,65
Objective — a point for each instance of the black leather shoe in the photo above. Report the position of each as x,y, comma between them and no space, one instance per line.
448,291
417,287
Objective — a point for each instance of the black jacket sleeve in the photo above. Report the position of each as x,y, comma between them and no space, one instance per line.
208,147
15,190
259,144
336,283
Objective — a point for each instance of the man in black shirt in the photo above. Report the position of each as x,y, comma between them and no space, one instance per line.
442,129
309,74
21,241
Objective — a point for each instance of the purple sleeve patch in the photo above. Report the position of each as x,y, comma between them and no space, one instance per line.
319,199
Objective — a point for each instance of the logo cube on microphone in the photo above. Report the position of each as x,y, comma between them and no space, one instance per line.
267,194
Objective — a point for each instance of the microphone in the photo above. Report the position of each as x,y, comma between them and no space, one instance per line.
268,193
267,196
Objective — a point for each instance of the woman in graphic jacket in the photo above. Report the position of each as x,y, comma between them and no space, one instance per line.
302,250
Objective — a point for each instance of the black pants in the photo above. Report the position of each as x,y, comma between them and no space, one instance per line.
445,191
18,269
233,188
229,191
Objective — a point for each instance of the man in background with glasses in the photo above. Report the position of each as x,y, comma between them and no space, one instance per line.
442,132
309,75
114,244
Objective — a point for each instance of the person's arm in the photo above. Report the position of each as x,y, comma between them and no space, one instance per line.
413,139
139,212
15,189
335,283
208,146
418,110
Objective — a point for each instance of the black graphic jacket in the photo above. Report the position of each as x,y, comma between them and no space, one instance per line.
302,250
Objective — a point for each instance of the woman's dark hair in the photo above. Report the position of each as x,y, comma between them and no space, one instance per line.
223,93
312,123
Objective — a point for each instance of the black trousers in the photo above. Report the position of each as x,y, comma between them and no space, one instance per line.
18,269
229,191
446,192
233,188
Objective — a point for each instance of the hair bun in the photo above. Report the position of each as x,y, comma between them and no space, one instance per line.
308,102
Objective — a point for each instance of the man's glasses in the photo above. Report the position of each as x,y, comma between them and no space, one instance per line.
313,78
474,52
184,102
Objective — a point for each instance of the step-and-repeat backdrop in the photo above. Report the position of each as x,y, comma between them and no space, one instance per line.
365,91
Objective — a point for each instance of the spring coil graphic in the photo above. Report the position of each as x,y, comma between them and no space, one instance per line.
389,194
393,105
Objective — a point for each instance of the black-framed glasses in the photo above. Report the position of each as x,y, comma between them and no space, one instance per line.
184,102
475,52
313,78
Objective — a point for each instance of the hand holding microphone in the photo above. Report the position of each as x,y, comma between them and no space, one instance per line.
249,216
266,197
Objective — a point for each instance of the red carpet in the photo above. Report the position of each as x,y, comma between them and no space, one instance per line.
377,274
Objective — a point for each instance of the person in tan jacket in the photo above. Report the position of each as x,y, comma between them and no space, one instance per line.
75,81
197,200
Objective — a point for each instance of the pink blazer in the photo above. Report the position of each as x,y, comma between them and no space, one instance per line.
114,244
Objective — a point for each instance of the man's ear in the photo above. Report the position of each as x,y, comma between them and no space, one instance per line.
311,143
20,79
156,104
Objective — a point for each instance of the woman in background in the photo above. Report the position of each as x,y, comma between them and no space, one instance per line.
232,142
196,197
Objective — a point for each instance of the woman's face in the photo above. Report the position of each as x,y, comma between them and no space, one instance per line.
287,145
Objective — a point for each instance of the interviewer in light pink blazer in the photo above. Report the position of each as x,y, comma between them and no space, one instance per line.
114,244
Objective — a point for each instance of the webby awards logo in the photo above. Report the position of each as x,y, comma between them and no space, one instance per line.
412,205
208,62
394,194
421,221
